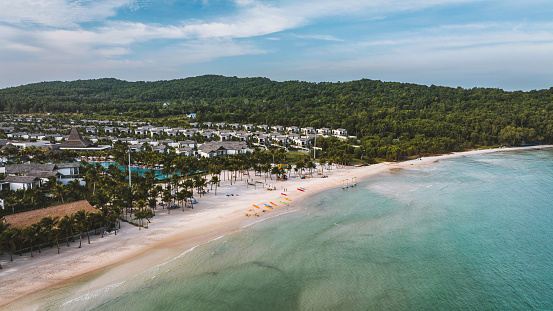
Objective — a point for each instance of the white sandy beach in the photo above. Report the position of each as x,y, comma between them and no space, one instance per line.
213,216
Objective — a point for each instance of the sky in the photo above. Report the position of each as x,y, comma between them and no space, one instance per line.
503,44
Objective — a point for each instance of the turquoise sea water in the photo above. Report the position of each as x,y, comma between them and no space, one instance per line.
472,233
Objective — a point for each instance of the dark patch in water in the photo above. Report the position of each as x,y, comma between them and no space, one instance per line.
267,266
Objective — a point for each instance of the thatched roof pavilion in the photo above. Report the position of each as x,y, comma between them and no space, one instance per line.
26,219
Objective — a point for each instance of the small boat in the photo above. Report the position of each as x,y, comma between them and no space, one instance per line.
287,199
283,193
302,190
255,206
273,203
268,206
282,202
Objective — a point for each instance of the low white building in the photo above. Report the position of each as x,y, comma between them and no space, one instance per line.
216,148
186,151
20,182
324,131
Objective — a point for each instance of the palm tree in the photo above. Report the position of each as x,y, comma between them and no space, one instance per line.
214,181
58,192
148,214
66,225
330,161
74,190
143,214
138,214
179,196
275,170
113,217
185,195
199,183
81,224
54,236
322,162
30,235
88,224
266,168
18,238
48,225
97,221
166,198
310,165
300,166
14,198
152,202
3,236
9,237
92,176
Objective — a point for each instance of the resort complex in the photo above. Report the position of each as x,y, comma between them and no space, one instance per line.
133,171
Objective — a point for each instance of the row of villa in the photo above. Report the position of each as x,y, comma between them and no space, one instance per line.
163,139
221,139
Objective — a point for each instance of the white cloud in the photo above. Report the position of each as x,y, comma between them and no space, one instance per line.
495,55
58,13
112,52
49,32
318,37
203,51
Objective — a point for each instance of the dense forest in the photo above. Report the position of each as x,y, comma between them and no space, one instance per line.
391,120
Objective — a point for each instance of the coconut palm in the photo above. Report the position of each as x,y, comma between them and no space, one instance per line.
92,176
113,218
29,235
199,183
81,224
18,238
97,221
148,214
214,181
300,166
9,237
74,191
185,195
3,236
48,225
66,224
322,162
58,192
310,165
166,198
138,214
55,236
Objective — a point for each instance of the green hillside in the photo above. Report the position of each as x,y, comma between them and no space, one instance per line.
404,119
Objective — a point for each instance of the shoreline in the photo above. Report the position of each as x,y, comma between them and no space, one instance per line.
170,235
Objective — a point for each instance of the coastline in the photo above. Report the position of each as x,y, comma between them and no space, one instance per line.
169,235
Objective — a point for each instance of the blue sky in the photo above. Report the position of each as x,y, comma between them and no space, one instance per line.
484,43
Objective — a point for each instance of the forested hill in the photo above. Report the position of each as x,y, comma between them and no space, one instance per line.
430,118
